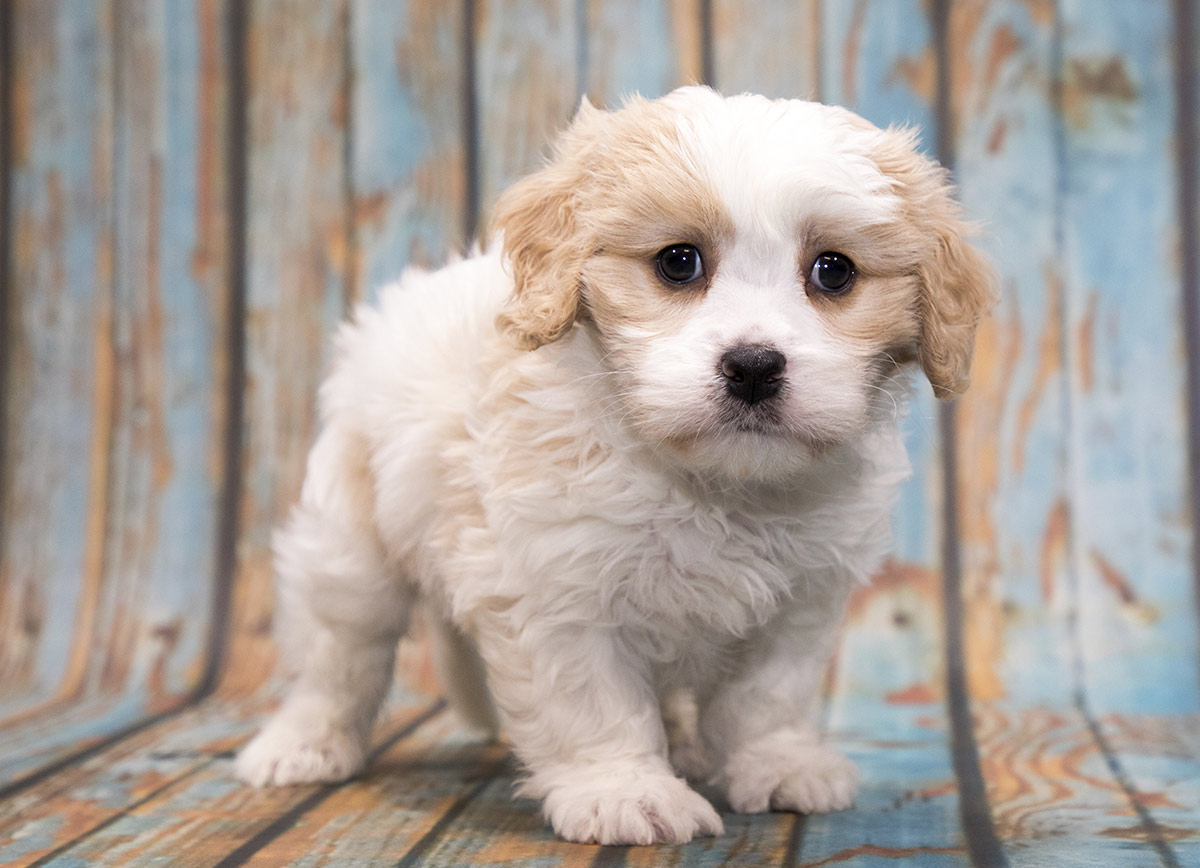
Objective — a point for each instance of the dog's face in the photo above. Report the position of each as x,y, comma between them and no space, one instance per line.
755,272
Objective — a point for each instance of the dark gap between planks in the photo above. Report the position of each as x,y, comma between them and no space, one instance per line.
975,813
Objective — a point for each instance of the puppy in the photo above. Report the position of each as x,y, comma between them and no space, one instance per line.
644,446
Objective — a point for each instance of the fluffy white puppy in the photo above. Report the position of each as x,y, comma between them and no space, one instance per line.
646,444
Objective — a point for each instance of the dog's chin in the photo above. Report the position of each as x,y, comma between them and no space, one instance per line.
747,451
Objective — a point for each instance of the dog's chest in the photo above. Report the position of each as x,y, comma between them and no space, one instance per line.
715,568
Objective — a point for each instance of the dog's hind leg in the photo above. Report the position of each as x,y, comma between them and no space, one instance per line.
341,608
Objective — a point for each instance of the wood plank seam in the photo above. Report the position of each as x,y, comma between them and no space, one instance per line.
983,845
582,52
287,819
127,809
612,856
237,157
1187,143
1154,832
6,126
708,63
73,757
418,850
791,856
470,127
349,193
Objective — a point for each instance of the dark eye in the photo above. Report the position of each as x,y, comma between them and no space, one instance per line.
680,263
832,272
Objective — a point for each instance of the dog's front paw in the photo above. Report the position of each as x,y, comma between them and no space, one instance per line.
284,753
628,806
809,779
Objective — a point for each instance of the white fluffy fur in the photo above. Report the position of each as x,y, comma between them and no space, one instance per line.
581,522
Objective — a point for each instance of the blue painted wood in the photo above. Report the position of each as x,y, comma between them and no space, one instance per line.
1132,534
138,641
60,357
298,283
170,337
528,78
772,48
1033,584
1013,438
646,48
408,148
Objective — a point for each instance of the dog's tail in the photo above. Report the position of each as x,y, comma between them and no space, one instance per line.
463,678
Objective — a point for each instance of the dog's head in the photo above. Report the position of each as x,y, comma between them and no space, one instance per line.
756,272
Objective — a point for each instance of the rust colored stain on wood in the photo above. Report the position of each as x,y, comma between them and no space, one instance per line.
916,694
919,74
1143,834
1055,541
1002,46
850,52
895,575
1114,579
912,853
1085,350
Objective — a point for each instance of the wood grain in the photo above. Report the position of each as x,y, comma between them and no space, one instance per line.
189,754
408,150
170,333
139,639
60,358
1132,536
527,77
641,48
774,48
1036,582
297,283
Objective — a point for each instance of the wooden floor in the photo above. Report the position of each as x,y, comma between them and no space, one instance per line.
1041,786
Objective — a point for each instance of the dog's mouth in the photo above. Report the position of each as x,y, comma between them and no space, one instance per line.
763,419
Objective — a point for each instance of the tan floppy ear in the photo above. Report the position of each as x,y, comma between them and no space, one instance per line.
958,284
542,239
958,289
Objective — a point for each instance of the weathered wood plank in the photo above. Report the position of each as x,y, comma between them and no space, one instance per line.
206,816
56,811
643,48
1043,765
769,48
77,809
1011,430
527,77
170,324
408,148
60,362
1132,535
143,625
396,806
297,283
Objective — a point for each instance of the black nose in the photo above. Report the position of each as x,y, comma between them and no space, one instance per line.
753,372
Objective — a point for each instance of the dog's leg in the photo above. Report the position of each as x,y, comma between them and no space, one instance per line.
762,724
585,721
341,609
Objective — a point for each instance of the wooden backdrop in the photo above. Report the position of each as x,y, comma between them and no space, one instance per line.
193,192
